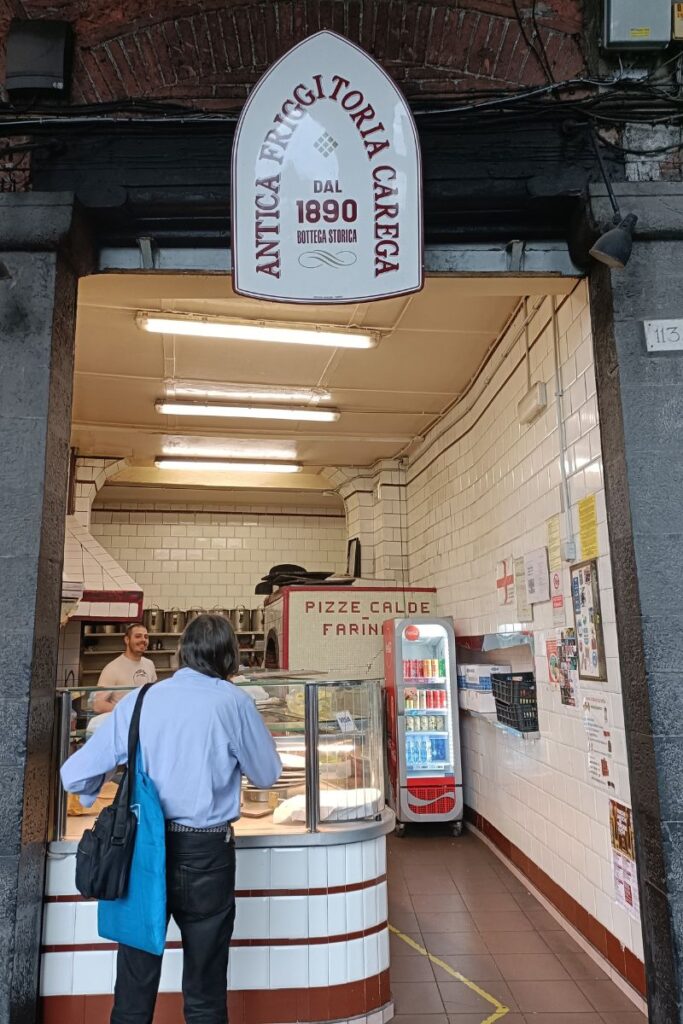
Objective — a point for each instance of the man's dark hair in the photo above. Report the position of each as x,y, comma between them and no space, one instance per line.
134,625
209,646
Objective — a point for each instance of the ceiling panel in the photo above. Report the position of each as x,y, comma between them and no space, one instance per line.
432,343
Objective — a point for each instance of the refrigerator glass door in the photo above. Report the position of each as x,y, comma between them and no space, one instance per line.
424,700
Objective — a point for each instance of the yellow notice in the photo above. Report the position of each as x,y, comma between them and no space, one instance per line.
643,32
588,528
554,544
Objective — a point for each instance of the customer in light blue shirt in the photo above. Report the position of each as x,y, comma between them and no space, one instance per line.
198,734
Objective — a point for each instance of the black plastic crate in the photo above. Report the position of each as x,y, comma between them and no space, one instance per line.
523,717
514,687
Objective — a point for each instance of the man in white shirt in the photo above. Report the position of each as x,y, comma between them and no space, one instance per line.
130,670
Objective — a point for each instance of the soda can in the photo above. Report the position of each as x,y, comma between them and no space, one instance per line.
442,699
422,700
442,668
432,722
406,669
429,698
424,723
410,723
435,668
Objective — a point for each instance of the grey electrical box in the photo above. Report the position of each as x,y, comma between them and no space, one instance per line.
637,24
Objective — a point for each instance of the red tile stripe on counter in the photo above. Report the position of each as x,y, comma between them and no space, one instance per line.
246,893
286,1006
318,940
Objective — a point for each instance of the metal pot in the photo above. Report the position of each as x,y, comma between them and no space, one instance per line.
258,619
242,621
225,612
174,621
192,613
88,629
153,619
108,628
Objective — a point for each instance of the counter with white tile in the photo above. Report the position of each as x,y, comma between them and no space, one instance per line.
311,940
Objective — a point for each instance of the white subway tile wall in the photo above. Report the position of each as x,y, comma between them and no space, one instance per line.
213,557
480,491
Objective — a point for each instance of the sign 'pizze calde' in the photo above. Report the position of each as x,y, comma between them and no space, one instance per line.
326,181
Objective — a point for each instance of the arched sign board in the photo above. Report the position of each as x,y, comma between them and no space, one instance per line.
326,181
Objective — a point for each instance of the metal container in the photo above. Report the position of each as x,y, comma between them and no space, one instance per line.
258,619
88,629
153,619
174,621
193,613
242,620
225,612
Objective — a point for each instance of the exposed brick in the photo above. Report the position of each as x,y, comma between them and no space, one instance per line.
207,61
140,48
353,19
132,85
244,38
436,31
164,62
231,48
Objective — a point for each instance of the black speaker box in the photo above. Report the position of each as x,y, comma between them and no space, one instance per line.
38,57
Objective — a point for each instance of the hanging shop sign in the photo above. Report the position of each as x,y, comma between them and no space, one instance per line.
326,181
588,620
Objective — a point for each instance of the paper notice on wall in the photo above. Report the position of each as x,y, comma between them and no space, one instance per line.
588,527
596,721
524,609
557,597
554,543
537,576
624,857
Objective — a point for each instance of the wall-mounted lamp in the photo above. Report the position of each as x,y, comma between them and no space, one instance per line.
613,248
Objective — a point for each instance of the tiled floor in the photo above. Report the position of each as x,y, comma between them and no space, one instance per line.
458,901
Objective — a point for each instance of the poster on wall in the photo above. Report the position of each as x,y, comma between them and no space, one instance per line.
562,657
624,857
596,722
537,576
588,527
525,612
588,621
326,181
569,667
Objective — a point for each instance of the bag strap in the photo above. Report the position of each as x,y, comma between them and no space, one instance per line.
122,799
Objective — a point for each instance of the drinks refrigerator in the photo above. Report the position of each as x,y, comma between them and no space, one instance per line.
423,734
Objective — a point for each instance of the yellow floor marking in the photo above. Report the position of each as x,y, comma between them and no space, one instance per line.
500,1010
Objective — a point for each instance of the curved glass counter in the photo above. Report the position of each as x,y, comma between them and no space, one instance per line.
328,734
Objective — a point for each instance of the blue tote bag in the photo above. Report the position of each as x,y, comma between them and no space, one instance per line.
139,918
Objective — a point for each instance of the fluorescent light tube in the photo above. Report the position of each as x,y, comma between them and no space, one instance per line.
210,327
228,465
246,393
211,449
248,412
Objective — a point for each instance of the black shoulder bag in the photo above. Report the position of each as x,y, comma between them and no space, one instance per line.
105,851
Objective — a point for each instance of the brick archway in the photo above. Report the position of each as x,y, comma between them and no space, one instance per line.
211,53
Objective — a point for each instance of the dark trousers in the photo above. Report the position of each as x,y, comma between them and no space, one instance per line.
200,884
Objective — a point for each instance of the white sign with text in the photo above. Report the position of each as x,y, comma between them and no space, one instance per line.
326,181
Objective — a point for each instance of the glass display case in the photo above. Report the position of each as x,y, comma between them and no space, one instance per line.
329,734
